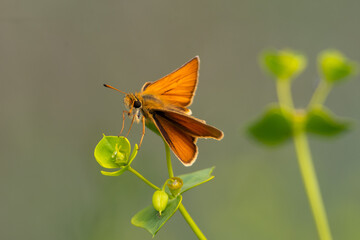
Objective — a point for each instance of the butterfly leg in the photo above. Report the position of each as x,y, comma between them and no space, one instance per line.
132,122
143,131
123,116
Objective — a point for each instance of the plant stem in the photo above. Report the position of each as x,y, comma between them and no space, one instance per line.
320,94
304,156
283,88
168,160
182,209
191,222
142,178
311,183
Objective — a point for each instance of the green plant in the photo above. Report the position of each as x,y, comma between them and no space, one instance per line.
282,121
114,152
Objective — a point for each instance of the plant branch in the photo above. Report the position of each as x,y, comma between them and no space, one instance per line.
182,209
191,222
320,94
304,156
143,178
283,88
168,160
311,183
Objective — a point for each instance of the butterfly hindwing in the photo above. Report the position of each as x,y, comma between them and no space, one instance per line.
181,143
181,131
190,125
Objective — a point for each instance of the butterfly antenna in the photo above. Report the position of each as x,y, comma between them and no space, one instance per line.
108,86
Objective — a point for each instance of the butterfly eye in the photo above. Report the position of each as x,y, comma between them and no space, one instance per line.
137,104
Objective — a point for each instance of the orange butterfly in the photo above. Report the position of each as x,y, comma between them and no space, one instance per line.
164,103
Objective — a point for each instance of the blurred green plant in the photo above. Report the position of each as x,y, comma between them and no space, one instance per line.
113,152
282,121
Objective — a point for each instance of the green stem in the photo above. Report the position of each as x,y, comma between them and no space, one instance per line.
320,94
168,160
283,88
311,183
304,156
191,222
142,178
182,209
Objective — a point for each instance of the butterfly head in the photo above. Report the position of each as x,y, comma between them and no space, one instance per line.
133,104
131,101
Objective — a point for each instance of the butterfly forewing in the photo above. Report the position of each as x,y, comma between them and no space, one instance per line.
178,87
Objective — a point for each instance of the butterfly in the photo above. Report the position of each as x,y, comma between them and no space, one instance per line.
164,104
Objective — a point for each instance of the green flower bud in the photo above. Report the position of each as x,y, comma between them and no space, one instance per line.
119,156
114,152
284,64
335,67
175,184
160,200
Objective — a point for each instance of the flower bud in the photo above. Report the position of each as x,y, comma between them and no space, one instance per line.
119,155
175,184
160,200
284,64
335,67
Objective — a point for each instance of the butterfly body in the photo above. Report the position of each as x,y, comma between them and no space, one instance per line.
164,103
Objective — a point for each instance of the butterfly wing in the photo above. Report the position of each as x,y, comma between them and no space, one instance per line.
177,88
192,126
181,131
165,103
182,144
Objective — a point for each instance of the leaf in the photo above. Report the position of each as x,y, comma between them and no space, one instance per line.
273,128
191,180
150,219
334,66
284,64
323,122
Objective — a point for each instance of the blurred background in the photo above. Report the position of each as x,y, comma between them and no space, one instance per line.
54,58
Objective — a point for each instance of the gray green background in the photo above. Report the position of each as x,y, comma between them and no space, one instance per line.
54,58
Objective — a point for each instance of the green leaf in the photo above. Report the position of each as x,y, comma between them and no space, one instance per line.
334,66
114,152
323,122
284,64
191,180
273,128
150,219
